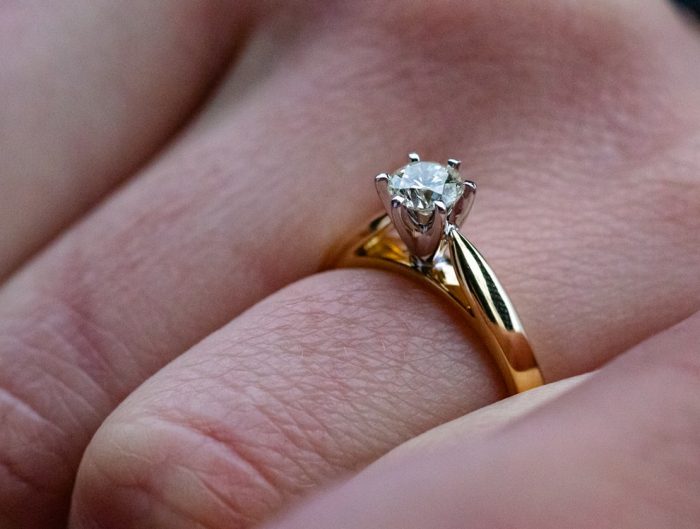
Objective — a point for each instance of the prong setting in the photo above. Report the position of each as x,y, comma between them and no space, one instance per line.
423,199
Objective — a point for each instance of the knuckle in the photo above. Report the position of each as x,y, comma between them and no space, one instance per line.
34,456
265,412
49,404
160,471
32,466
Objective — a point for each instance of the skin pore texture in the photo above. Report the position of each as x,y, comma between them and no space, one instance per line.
573,460
173,358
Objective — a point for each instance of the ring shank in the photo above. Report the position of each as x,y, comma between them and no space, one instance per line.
460,272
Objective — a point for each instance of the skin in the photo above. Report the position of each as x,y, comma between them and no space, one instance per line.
573,461
173,358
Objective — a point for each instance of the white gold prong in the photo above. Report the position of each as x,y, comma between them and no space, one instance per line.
440,221
381,178
455,164
413,157
464,204
381,182
426,240
396,211
397,202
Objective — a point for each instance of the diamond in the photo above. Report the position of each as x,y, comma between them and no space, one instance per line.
422,184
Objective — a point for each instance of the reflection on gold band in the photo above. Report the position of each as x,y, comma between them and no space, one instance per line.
459,271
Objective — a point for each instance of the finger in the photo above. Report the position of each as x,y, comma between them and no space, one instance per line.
206,231
484,421
89,91
322,377
620,450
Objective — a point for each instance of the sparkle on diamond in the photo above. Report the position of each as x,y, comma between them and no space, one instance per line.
424,183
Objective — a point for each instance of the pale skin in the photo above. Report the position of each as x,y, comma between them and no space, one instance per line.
150,220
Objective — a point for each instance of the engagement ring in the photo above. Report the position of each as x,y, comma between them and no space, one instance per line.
425,203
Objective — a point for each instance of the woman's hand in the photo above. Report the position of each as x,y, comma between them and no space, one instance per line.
165,211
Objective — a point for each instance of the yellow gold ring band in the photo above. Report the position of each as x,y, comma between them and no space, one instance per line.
460,272
418,236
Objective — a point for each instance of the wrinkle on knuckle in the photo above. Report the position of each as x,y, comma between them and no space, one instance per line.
180,468
35,465
264,414
39,403
51,400
55,341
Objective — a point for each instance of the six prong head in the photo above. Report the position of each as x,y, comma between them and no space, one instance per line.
423,199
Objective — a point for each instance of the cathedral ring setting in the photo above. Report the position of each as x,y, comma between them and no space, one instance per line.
419,235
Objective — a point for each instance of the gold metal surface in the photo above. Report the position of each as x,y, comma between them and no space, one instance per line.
459,271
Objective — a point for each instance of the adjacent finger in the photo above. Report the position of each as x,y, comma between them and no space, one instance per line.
322,377
486,420
90,90
621,450
319,379
233,211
